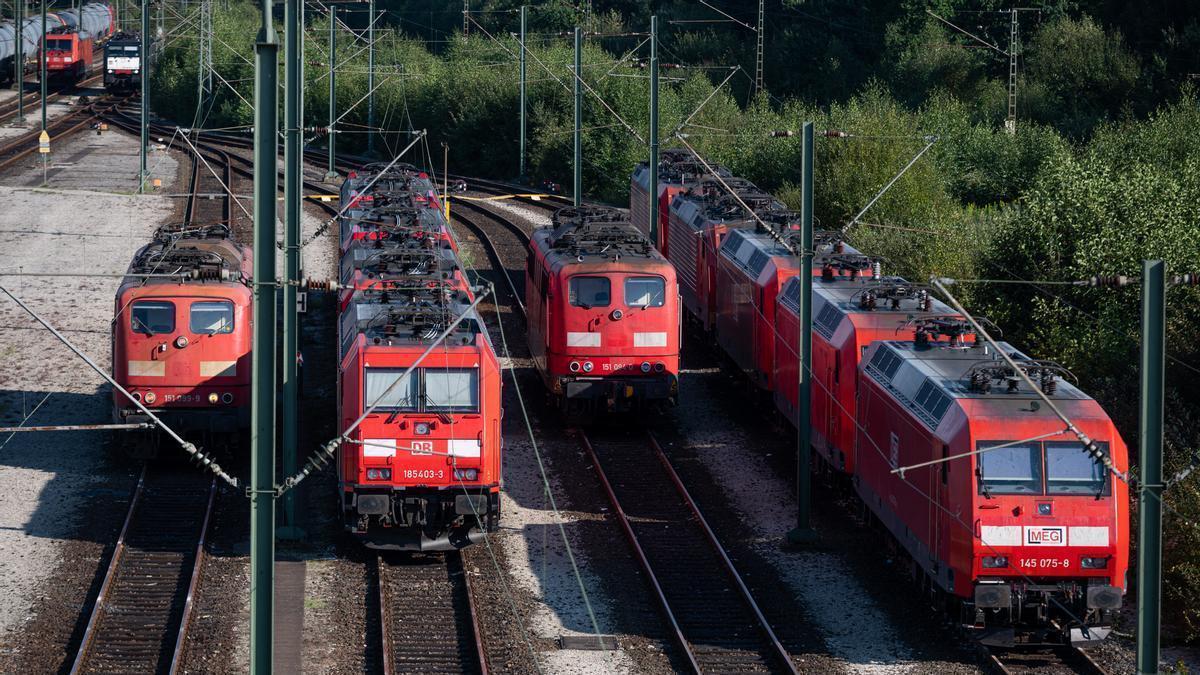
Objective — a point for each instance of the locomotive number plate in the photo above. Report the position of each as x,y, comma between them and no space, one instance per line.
431,474
1044,563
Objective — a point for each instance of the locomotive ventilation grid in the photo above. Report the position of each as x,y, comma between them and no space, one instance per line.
203,252
596,231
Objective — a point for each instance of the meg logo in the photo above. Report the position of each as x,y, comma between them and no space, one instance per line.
1045,536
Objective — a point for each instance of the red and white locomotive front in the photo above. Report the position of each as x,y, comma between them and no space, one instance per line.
1013,518
422,469
603,313
181,344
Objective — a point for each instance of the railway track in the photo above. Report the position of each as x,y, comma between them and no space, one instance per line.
140,619
81,118
212,178
33,100
708,610
1046,660
428,622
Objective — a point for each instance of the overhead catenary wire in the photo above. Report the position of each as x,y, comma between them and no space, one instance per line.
202,458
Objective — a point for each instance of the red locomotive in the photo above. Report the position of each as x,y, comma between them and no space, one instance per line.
181,343
850,311
68,49
379,184
678,170
1026,539
393,221
698,221
422,471
603,313
1028,536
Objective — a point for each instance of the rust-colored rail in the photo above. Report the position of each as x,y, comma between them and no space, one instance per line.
712,616
140,617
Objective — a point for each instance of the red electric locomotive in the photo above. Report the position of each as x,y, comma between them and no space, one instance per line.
850,311
1021,528
678,170
699,219
422,471
603,312
750,271
181,344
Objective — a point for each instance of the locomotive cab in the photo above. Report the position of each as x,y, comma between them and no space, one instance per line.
603,314
181,345
422,470
123,63
1019,526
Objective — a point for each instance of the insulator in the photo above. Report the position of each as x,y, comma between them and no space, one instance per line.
1186,279
877,269
1107,281
834,133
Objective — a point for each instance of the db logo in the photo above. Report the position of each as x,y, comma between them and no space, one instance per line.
1045,536
422,447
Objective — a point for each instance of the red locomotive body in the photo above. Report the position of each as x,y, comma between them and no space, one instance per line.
678,170
422,471
1027,533
699,220
603,312
849,313
181,344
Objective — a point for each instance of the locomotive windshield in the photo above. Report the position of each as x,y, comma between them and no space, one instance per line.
152,318
58,45
208,318
645,291
1072,471
1010,470
588,292
454,390
403,397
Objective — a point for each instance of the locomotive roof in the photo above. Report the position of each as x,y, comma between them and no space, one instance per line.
709,201
593,234
752,249
843,296
927,379
410,314
204,253
679,167
417,259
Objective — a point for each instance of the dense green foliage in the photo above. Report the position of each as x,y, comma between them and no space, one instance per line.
1103,172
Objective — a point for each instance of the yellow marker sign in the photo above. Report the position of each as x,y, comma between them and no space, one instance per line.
44,143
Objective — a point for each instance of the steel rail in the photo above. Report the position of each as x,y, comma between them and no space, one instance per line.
193,584
92,642
442,655
1069,658
775,647
26,144
9,108
493,253
118,550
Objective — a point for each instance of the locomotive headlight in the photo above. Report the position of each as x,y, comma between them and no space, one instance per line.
181,341
137,396
574,366
994,561
227,398
645,366
379,474
1094,563
151,397
213,398
466,474
421,428
587,366
659,367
